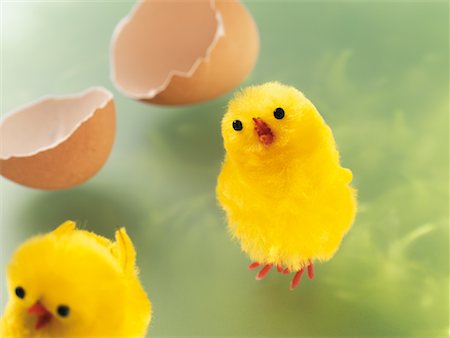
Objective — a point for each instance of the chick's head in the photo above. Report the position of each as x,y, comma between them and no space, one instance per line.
68,283
270,119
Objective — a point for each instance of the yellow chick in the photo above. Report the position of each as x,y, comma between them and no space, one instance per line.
287,198
74,283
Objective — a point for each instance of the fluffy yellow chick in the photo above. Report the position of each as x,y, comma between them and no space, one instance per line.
73,283
287,198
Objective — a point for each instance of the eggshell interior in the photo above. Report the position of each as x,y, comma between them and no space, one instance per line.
163,41
159,39
58,142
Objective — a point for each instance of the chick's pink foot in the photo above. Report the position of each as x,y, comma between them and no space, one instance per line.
264,271
297,277
299,273
310,270
253,266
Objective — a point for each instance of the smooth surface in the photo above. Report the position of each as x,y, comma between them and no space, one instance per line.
377,72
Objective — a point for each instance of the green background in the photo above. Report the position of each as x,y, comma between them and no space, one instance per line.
377,71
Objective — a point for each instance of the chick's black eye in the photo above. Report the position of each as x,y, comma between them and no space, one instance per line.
20,292
63,310
237,125
278,113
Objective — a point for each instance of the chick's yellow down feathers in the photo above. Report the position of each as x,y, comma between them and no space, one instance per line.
287,198
74,283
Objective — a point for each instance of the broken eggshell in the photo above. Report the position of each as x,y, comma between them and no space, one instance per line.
58,142
182,52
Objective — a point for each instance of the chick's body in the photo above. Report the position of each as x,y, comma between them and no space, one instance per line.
73,283
286,197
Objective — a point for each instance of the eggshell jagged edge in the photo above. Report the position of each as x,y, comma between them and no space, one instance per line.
159,95
74,158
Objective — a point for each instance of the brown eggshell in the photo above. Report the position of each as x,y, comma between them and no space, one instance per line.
182,52
58,142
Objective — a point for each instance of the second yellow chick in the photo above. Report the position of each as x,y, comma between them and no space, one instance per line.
287,198
74,283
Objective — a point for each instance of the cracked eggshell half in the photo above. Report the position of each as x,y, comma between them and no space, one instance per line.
58,142
183,52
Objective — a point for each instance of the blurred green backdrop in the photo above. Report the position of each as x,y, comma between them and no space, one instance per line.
377,71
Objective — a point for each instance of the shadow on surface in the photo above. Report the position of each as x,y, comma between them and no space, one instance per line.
96,210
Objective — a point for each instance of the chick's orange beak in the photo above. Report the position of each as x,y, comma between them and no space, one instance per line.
263,131
43,315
